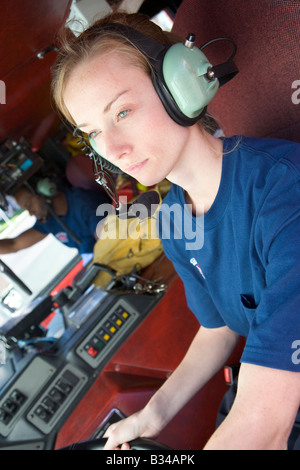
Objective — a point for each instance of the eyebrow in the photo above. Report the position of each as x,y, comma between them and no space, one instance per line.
107,107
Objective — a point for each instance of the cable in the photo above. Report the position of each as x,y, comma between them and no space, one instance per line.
100,165
208,43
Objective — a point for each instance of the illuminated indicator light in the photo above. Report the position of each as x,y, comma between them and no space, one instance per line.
92,351
125,315
112,329
119,322
106,337
228,375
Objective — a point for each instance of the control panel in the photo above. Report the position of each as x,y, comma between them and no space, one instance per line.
17,399
42,389
57,398
109,332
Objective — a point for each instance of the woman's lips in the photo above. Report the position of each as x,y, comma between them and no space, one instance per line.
136,167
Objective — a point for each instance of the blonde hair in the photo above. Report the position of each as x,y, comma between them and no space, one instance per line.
98,40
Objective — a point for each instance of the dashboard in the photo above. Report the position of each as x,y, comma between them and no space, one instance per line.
41,388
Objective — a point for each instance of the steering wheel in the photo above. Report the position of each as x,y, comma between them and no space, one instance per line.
98,444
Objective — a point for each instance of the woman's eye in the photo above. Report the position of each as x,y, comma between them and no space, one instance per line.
93,134
123,114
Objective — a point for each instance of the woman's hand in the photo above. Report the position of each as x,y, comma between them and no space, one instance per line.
206,355
119,434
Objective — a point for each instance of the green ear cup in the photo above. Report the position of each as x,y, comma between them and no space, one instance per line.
185,74
100,160
47,187
93,145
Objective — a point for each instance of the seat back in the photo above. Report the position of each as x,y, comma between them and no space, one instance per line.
263,100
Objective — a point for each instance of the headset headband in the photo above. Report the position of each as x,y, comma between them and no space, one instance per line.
156,53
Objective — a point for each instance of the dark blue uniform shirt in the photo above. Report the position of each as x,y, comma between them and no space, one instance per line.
81,218
240,262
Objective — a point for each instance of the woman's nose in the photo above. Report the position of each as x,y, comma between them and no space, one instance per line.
116,146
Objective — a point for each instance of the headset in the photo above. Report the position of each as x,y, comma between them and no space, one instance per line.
182,76
46,187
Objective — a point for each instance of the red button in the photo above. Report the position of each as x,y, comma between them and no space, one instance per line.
92,351
228,375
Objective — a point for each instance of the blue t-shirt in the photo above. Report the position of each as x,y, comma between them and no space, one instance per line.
80,218
240,262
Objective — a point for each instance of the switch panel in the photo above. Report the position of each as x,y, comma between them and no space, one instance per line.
22,393
63,391
110,330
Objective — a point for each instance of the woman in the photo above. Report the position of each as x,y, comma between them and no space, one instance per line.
244,279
